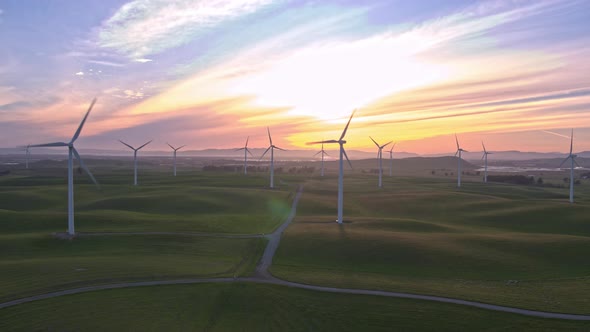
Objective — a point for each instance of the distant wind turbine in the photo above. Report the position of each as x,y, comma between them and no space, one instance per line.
175,149
71,153
341,142
572,157
391,160
246,151
135,159
323,153
485,157
27,155
380,157
272,148
459,150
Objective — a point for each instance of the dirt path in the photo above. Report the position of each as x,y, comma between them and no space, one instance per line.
274,239
196,234
262,276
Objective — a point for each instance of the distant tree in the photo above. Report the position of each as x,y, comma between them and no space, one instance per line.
566,180
446,174
540,181
478,173
578,181
433,172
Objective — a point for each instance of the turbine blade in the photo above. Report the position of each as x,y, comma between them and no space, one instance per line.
170,146
48,144
325,153
374,141
239,149
317,153
563,162
345,155
83,121
346,128
464,150
276,147
132,148
483,156
180,147
84,167
456,153
484,147
386,144
269,138
391,150
572,143
247,139
139,148
457,140
264,153
322,142
248,150
576,163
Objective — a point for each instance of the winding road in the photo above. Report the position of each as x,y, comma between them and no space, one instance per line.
263,276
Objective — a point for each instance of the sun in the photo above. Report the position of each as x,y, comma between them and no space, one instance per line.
328,81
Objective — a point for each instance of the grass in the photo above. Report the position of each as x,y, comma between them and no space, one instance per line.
33,264
511,245
230,307
520,246
236,204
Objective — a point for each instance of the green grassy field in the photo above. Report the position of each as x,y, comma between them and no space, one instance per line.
512,245
199,202
522,246
33,206
249,307
34,264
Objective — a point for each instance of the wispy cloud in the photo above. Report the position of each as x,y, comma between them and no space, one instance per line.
144,27
106,63
142,60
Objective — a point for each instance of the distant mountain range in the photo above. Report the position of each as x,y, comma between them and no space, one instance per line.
301,154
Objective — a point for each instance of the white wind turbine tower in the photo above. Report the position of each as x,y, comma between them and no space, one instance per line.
272,148
380,157
323,153
485,157
459,150
573,159
174,149
246,151
391,160
135,159
27,155
71,153
341,142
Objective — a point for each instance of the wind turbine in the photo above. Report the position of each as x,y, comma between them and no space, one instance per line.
135,159
323,153
391,160
173,148
573,159
71,153
459,150
27,155
485,157
246,151
380,157
272,148
341,142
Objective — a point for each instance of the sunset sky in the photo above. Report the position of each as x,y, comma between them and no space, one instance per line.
209,73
